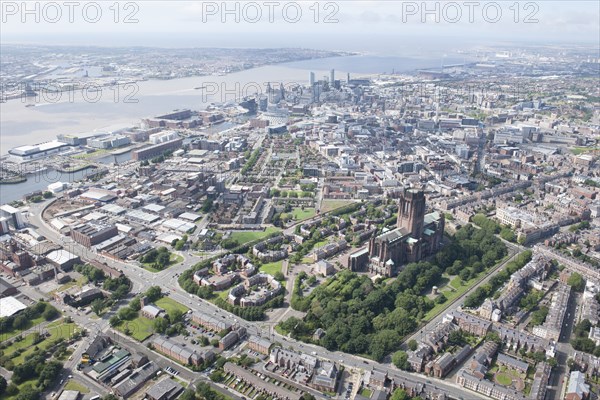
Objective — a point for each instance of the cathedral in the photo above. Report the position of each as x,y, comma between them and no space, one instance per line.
417,235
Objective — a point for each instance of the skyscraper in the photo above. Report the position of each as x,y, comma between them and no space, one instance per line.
311,79
332,77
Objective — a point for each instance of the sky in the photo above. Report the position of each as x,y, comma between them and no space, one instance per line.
379,26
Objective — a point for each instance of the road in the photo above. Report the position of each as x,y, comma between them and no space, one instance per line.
167,279
513,249
558,379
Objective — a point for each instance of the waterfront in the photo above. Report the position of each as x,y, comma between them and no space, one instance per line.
39,181
113,109
22,125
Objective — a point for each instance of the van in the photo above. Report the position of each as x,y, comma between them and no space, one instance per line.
95,397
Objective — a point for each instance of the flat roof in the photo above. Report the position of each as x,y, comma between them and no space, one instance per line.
10,306
61,256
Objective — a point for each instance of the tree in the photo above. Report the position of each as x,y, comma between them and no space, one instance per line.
400,360
493,337
162,260
114,320
507,234
161,325
455,337
49,373
229,243
20,322
412,344
582,328
207,205
153,293
577,282
279,276
539,316
188,395
12,389
399,394
465,274
97,306
3,385
175,316
50,313
441,299
216,376
28,392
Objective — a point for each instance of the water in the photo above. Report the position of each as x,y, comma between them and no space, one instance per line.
22,125
115,108
115,158
372,64
39,181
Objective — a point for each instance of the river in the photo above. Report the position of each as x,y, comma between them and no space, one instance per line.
110,109
124,107
39,181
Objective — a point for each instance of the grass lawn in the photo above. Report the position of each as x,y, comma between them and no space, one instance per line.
307,260
31,382
14,332
504,379
170,305
299,214
222,294
58,331
72,385
173,259
450,294
271,267
140,328
243,237
366,392
328,205
96,153
579,150
64,287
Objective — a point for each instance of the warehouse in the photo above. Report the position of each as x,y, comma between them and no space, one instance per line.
63,259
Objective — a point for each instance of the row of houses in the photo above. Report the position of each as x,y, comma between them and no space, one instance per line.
181,354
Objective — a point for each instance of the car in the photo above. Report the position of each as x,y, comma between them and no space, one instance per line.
70,376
